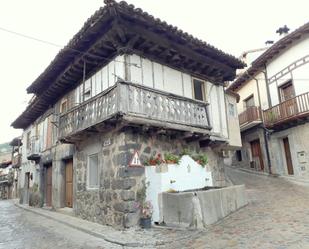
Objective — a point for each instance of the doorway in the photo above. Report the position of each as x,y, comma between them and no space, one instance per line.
69,183
27,186
257,153
288,156
49,183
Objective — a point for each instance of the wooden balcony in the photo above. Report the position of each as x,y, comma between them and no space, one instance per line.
249,118
135,104
288,113
33,151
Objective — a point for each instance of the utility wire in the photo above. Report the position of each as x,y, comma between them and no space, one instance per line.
61,46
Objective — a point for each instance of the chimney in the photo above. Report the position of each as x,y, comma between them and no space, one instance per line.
282,31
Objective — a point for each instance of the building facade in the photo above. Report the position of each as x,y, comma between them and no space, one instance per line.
274,107
136,85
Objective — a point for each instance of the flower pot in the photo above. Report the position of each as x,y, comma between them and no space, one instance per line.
145,223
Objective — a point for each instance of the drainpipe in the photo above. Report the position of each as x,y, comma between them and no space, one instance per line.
262,117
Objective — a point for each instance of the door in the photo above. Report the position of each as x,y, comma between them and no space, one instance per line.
287,95
49,182
27,185
257,153
69,183
288,157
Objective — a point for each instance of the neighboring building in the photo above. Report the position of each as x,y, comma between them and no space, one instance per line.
16,145
126,82
274,107
5,176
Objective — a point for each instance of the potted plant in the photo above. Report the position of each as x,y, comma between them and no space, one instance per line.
201,159
171,158
154,160
146,214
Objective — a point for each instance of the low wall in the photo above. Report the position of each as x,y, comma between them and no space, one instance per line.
185,176
202,208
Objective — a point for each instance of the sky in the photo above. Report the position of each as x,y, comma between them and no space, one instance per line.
233,26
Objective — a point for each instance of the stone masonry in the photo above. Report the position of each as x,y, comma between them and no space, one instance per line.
113,202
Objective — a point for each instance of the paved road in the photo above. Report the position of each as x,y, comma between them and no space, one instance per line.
277,217
20,229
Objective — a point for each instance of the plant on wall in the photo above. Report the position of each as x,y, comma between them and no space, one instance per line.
157,160
171,158
201,159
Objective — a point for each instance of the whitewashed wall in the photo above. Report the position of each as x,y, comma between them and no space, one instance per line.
26,165
142,71
299,75
233,122
145,72
102,79
176,177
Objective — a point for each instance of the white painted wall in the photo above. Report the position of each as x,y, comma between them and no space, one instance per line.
299,75
183,175
104,78
233,122
148,73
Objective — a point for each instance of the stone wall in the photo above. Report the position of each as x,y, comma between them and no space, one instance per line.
247,137
113,202
299,144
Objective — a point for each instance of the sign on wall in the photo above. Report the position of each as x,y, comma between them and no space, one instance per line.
135,161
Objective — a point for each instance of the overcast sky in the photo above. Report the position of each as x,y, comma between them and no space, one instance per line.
232,26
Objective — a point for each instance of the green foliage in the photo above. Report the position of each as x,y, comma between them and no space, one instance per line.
201,159
171,158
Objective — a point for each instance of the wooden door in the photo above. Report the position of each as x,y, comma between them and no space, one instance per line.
257,153
27,185
49,182
69,183
287,95
288,157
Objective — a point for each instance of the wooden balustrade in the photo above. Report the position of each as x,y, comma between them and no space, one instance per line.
251,114
132,100
287,110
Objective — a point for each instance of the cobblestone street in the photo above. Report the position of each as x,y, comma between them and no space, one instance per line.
277,217
22,230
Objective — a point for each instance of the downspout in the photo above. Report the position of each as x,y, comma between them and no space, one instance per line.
262,117
267,87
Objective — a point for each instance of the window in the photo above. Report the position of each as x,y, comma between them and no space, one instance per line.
64,106
93,171
286,91
232,110
249,102
198,90
87,89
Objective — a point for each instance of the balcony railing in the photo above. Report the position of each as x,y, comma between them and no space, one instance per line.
251,114
288,110
134,102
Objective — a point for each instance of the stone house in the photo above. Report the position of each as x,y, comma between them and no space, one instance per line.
274,107
126,82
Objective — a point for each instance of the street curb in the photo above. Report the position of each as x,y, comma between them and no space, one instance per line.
253,172
98,235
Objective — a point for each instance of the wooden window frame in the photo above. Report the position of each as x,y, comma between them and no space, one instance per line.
64,101
246,99
284,85
203,89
